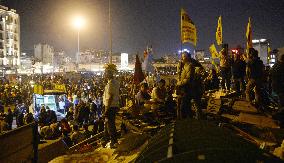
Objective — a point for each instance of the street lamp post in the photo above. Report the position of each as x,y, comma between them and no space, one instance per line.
78,52
78,24
110,31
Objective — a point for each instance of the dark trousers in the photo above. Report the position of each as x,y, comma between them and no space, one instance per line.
255,85
239,85
110,128
226,77
281,100
185,107
197,105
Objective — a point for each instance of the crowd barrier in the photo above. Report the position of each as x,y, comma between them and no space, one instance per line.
20,145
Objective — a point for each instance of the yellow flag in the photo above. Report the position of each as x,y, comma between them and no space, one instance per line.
249,35
188,29
60,87
219,34
38,89
213,51
268,50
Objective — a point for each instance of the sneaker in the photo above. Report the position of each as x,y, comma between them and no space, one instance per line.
104,143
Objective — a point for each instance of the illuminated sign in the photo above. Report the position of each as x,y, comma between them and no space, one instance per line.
124,60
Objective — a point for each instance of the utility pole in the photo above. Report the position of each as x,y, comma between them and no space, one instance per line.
110,31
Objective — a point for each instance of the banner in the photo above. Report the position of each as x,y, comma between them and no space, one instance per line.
213,51
60,87
188,29
38,89
219,34
249,35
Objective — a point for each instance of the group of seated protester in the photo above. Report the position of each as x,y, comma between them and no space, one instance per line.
159,100
70,136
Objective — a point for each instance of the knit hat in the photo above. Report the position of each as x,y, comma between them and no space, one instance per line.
110,68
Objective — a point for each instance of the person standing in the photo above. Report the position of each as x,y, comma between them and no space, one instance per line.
239,72
111,103
9,119
185,86
254,71
225,70
277,75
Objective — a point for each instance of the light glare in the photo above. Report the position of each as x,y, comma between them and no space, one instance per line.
78,22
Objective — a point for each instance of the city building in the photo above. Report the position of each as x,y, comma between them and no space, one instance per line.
59,58
9,39
261,45
26,61
199,55
43,53
93,56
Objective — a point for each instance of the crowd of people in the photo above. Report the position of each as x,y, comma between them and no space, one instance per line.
244,74
93,101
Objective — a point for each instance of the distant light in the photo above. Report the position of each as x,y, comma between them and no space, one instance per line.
206,58
184,50
262,40
273,60
255,41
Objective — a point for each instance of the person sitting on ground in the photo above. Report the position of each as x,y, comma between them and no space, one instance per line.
76,136
70,114
158,95
42,119
28,117
49,132
65,127
3,123
143,98
51,115
87,133
66,139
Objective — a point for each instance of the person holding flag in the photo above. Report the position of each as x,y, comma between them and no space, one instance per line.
148,61
225,68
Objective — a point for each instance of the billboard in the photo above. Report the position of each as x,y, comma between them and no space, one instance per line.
262,47
124,60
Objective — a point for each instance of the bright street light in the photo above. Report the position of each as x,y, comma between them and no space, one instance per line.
78,23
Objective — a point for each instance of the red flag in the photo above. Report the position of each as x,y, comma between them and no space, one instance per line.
138,74
145,53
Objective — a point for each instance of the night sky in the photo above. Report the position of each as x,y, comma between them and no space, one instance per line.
138,23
